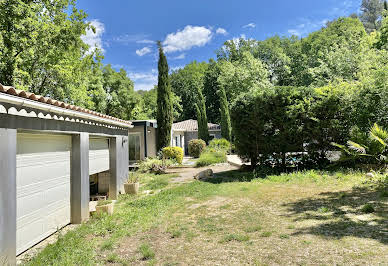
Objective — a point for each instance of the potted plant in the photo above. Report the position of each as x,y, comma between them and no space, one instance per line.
104,206
132,185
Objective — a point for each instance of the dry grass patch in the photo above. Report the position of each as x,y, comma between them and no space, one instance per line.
307,218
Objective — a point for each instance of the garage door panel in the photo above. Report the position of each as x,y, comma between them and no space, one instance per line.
98,155
43,187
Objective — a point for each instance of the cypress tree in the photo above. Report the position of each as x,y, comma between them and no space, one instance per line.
164,113
203,130
226,127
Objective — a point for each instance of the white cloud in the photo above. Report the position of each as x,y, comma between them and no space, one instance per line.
145,41
187,38
250,25
306,27
181,56
143,51
144,80
221,31
131,38
93,38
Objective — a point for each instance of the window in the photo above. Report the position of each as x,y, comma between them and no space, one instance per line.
134,147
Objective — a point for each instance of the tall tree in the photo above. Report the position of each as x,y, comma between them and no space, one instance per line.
371,14
164,112
226,127
203,130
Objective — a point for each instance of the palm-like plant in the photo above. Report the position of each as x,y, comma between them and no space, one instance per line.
373,148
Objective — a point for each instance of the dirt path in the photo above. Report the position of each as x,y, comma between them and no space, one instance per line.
186,174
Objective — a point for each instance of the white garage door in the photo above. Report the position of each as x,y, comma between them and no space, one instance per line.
43,186
98,155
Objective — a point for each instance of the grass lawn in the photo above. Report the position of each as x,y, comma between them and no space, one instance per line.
302,218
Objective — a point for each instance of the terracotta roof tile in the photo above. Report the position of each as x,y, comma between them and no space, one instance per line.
192,125
31,96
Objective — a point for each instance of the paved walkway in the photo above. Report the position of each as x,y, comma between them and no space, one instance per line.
186,174
236,161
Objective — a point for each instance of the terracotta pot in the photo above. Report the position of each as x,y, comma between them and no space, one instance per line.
131,188
108,208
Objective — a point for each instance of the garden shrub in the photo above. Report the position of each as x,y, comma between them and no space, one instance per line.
211,156
222,144
150,165
175,153
293,127
196,146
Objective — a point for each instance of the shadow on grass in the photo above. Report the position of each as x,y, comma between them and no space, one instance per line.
338,214
229,176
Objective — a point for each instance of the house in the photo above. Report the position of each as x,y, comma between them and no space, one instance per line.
142,140
49,153
183,132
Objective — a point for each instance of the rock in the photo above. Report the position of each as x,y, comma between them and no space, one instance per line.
370,175
204,174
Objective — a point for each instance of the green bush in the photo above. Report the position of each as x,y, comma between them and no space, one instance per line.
175,153
196,146
211,156
222,144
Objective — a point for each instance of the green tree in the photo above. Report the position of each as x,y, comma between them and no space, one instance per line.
200,106
184,83
371,11
240,76
382,42
147,106
210,89
41,48
164,101
273,53
226,127
336,52
121,98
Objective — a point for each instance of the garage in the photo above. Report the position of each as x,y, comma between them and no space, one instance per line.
98,155
42,186
49,151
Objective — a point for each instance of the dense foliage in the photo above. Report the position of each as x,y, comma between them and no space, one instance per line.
370,147
196,146
209,157
200,106
221,144
226,126
174,153
164,99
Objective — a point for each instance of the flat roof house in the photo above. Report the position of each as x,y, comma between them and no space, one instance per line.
142,140
49,150
183,132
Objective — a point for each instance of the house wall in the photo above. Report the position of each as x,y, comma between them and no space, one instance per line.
181,140
7,196
151,142
216,133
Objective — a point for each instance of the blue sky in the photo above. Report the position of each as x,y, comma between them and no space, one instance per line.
193,30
